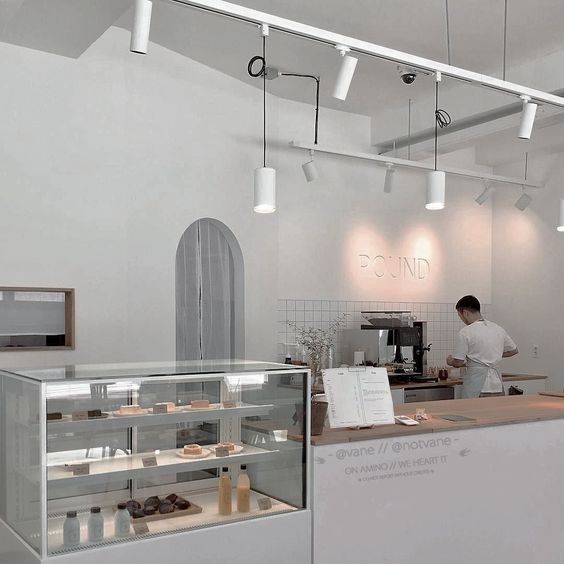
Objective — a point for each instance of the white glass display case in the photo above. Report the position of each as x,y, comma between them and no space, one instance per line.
163,438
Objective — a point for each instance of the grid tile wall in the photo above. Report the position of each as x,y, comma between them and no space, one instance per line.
442,320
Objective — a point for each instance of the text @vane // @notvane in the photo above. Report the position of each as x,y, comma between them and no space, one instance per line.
401,267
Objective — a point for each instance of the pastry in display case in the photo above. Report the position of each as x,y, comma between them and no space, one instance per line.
103,454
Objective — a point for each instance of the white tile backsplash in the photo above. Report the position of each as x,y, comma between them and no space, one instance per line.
442,322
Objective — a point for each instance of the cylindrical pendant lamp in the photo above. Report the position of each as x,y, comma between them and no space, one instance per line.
265,190
523,202
310,170
346,73
141,27
389,178
435,190
527,118
561,221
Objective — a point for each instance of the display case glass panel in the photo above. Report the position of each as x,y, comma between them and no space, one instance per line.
164,439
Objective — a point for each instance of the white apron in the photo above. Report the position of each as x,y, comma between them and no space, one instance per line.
475,377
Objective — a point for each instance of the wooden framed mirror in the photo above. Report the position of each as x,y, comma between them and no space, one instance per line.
36,319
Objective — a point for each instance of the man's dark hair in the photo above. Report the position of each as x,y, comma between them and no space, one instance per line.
471,303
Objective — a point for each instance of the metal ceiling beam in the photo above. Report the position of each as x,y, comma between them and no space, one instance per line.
417,165
457,125
317,34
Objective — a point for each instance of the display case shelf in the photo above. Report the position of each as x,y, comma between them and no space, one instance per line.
209,516
150,419
120,468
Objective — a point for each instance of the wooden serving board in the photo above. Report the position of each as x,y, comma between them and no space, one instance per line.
192,510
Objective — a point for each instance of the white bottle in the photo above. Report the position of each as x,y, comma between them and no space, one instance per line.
71,530
95,525
122,521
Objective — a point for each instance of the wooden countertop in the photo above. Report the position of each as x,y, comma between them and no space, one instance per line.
487,412
458,381
514,377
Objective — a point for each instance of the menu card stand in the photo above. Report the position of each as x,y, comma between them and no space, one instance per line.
358,397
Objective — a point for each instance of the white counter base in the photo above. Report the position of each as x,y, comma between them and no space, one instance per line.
490,495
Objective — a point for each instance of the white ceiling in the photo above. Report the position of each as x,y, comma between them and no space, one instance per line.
415,26
69,27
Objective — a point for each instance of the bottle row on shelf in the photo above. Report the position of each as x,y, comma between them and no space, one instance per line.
134,512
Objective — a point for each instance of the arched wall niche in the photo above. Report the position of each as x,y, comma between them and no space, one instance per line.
210,293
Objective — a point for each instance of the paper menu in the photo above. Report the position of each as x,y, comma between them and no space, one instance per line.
358,396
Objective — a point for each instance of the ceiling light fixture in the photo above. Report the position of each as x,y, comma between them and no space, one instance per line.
435,190
436,178
561,222
141,27
523,202
309,168
346,72
265,177
527,118
486,193
389,178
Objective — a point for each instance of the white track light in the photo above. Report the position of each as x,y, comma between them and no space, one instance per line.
527,118
435,190
486,194
310,170
265,190
523,202
561,221
141,26
389,178
346,73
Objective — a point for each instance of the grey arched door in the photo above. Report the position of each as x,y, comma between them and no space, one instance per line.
209,293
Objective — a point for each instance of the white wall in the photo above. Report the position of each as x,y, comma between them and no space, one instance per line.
106,160
325,226
528,266
110,157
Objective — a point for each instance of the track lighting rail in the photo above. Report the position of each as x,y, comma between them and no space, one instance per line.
418,165
256,17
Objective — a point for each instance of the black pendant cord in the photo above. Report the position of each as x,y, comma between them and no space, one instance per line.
442,119
317,83
262,71
436,120
504,38
264,101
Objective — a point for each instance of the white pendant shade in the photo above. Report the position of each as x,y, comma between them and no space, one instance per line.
527,120
389,178
265,190
344,78
561,220
435,190
310,171
141,27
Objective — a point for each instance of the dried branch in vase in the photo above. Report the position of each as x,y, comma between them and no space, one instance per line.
317,342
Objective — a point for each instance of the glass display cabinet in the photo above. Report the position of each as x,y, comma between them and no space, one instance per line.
101,455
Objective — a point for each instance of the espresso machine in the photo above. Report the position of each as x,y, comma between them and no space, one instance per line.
395,341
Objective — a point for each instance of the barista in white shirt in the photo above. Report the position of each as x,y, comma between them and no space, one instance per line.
480,346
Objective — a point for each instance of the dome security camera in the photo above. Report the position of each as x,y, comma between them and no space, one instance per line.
407,75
